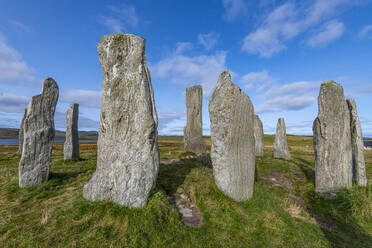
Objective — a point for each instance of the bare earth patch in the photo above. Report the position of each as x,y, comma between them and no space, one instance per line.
190,214
171,161
278,178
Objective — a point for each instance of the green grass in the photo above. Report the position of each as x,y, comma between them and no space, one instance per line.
55,214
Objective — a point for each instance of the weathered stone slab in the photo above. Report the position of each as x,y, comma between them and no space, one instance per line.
359,165
21,133
332,140
233,145
258,136
193,131
71,145
128,156
280,144
38,128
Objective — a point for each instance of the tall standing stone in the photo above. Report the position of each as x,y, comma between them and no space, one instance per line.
193,131
128,155
38,128
280,144
332,140
71,146
258,136
359,166
21,133
233,145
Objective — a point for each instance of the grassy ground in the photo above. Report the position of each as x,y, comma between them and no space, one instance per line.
284,211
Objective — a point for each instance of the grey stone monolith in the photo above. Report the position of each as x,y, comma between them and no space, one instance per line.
21,133
280,144
359,165
258,136
233,144
128,155
71,146
193,131
38,135
332,140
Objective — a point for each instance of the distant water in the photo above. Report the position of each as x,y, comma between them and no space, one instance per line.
15,141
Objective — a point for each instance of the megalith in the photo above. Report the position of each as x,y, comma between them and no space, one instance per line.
332,140
258,136
193,131
357,146
71,145
128,155
21,133
280,144
38,135
233,143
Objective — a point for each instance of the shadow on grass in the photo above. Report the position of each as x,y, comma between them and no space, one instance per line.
171,176
335,217
307,168
62,176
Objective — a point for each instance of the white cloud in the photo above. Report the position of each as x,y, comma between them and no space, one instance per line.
234,8
20,27
208,41
121,18
183,46
182,69
86,98
83,122
289,20
167,119
260,79
12,68
330,32
292,96
366,30
12,103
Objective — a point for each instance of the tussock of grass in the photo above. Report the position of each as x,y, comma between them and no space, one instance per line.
55,214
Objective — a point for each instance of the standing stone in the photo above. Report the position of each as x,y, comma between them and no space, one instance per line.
258,136
233,145
359,166
332,140
71,146
280,143
193,131
128,155
21,133
38,128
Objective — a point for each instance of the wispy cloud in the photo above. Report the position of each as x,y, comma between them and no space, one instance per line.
330,31
233,8
12,68
120,18
366,31
83,121
260,80
167,119
289,20
184,69
209,40
20,27
86,98
292,96
12,103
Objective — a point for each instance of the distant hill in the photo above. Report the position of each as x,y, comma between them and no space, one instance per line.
12,133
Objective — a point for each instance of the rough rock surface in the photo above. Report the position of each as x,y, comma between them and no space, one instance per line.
193,131
38,128
233,148
71,146
128,155
332,140
280,143
359,166
258,136
21,133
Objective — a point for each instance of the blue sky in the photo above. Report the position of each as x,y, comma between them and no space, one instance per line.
277,51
